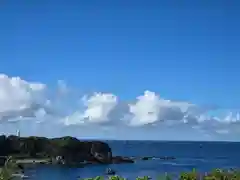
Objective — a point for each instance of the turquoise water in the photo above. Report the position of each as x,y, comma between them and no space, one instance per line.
203,156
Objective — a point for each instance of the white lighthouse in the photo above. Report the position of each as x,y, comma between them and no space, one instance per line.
18,133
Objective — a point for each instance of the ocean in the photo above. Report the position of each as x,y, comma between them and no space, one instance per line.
203,156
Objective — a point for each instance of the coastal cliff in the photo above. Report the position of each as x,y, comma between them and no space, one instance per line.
68,150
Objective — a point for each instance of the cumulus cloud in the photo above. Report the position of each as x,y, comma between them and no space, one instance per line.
98,107
22,100
146,110
150,108
230,118
19,98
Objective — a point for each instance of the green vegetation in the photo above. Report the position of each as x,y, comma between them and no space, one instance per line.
72,150
8,169
216,174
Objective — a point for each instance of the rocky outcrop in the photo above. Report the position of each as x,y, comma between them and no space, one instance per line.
120,159
97,150
157,158
147,158
68,149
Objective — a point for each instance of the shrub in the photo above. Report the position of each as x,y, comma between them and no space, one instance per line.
216,174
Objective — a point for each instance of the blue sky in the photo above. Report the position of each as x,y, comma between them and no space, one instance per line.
185,51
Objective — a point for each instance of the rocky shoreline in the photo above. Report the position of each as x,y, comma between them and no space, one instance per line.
64,151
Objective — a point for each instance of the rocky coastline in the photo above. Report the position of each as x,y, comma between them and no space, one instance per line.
67,151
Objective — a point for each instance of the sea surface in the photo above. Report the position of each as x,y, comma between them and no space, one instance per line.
203,156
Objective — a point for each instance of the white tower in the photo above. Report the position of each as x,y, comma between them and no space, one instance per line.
18,133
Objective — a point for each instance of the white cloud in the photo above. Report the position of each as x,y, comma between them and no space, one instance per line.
146,110
230,118
150,108
222,131
19,98
22,100
73,119
98,107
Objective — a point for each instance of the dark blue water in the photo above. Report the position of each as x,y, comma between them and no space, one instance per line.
203,156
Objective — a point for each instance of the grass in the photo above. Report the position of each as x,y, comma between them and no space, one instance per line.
216,174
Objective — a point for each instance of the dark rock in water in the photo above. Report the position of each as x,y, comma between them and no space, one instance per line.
20,166
110,171
162,158
71,150
120,159
147,158
167,158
